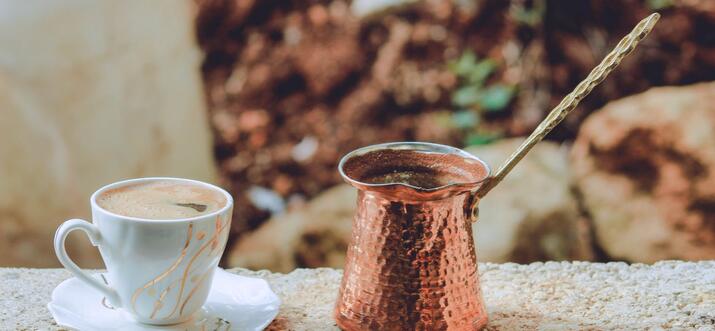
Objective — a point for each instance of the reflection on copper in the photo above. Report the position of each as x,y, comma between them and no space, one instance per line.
166,272
411,263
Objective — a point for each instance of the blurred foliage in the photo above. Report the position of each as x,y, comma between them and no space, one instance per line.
530,16
659,4
474,96
481,138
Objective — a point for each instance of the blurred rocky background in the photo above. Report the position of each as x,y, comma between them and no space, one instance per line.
294,85
290,86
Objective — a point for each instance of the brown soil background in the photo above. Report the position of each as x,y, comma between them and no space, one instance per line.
278,71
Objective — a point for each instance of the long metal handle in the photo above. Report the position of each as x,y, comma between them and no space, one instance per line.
597,75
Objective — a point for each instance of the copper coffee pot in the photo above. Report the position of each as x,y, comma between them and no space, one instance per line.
411,263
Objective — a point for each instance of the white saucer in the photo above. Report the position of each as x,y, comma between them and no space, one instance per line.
234,303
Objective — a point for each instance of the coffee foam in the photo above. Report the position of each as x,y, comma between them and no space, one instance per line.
161,200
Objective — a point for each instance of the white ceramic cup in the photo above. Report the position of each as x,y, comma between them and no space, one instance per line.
158,271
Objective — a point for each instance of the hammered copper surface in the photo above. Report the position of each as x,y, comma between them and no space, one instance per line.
411,264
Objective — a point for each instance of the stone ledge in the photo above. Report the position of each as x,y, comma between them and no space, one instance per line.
552,295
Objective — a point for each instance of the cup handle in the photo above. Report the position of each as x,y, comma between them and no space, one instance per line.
96,238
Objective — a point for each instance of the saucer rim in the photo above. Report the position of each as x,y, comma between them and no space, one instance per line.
53,306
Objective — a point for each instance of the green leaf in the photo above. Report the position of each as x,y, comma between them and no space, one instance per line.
481,71
474,139
464,65
465,119
466,96
496,97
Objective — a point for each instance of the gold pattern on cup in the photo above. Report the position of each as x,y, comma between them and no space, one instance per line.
104,299
191,293
213,242
219,227
163,275
160,302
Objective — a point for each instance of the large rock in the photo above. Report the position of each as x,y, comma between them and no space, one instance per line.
316,235
645,166
532,214
91,92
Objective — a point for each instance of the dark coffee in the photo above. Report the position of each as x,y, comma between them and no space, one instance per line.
424,178
416,168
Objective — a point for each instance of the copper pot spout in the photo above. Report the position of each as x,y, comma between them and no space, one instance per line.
411,264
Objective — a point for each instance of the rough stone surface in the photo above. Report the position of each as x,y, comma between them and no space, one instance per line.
532,215
645,167
547,296
91,93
